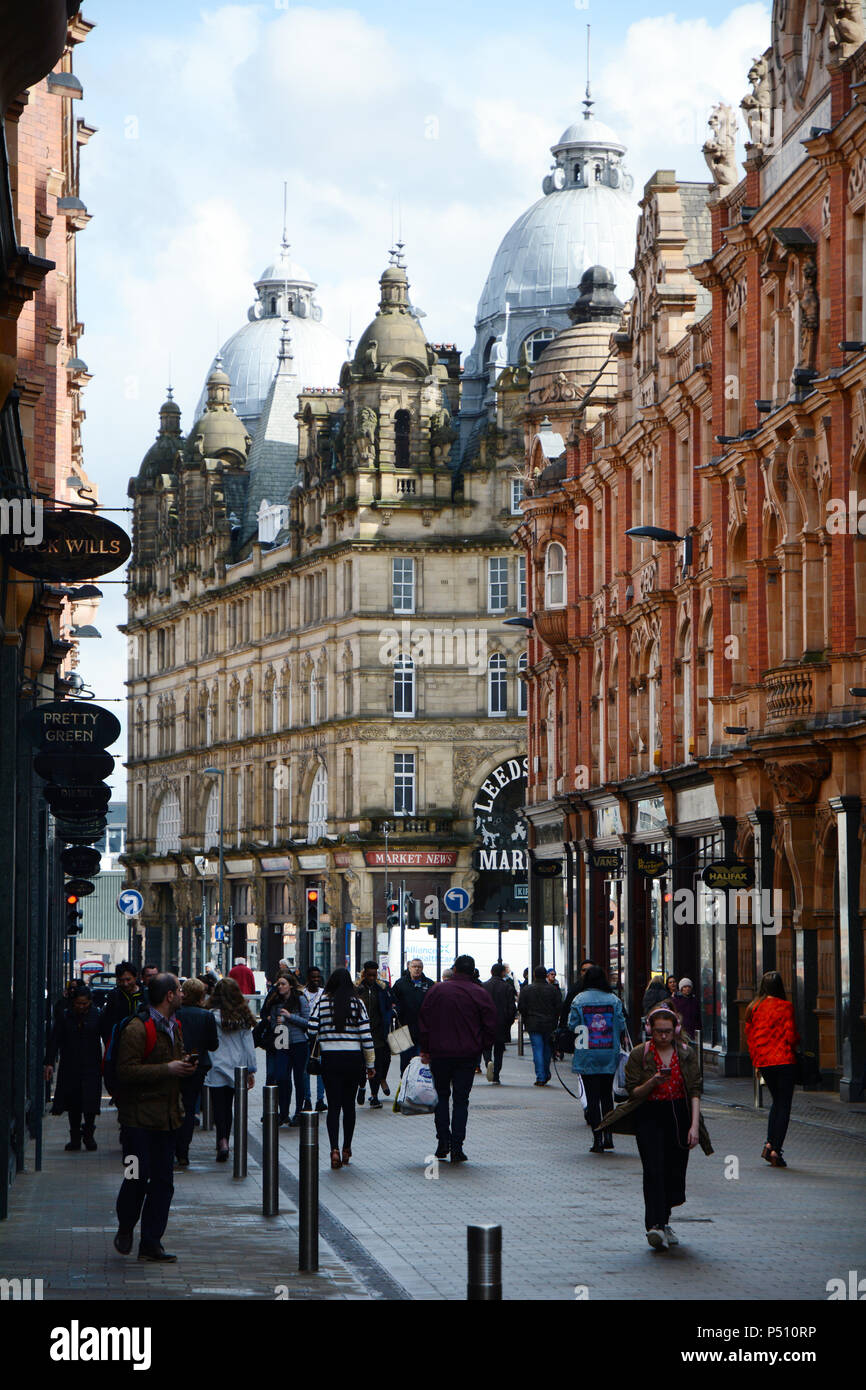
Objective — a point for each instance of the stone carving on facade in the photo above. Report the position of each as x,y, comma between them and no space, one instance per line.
857,181
825,212
559,390
719,148
757,104
798,783
365,436
370,363
809,314
442,436
846,20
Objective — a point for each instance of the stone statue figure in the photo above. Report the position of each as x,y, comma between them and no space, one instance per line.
757,105
370,363
365,436
846,20
809,307
719,147
442,436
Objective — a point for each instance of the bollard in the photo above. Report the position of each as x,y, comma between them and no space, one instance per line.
270,1154
520,1037
239,1153
308,1213
484,1247
758,1089
700,1046
206,1108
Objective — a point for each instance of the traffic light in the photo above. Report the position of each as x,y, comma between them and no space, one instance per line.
411,911
392,914
312,909
73,915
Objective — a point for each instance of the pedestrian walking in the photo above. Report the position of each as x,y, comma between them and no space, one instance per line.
234,1025
149,972
539,1006
409,994
597,1021
663,1111
573,990
501,991
151,1066
688,1008
65,1001
313,992
126,999
456,1023
655,993
76,1036
772,1037
340,1023
241,973
200,1040
379,1004
282,1031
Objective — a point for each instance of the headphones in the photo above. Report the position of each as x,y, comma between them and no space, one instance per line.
662,1009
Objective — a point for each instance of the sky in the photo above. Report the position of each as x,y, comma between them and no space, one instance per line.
433,122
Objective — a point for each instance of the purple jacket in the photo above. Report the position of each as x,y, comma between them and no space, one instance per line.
457,1019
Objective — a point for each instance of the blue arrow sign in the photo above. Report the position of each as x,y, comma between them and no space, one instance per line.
130,902
456,900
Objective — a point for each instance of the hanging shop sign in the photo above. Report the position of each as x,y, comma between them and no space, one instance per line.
71,725
653,865
74,769
547,868
84,832
80,860
82,887
75,545
610,860
501,833
731,875
72,802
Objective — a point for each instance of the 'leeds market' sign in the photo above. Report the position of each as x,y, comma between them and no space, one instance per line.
71,725
74,545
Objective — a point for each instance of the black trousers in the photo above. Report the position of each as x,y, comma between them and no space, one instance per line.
780,1082
497,1052
455,1073
599,1096
662,1140
340,1075
223,1098
190,1094
148,1192
75,1126
382,1063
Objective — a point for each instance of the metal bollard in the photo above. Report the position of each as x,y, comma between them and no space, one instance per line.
484,1247
520,1038
239,1152
758,1090
699,1044
206,1108
270,1154
308,1205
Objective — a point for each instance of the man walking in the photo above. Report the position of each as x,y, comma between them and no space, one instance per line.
241,972
409,994
313,991
377,1000
457,1022
124,1000
501,991
539,1004
151,1064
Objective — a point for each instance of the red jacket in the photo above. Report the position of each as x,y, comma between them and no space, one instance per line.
770,1033
244,977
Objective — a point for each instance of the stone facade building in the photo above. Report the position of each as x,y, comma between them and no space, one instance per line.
697,700
322,623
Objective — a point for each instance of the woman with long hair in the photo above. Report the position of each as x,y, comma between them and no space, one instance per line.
198,1026
286,1012
339,1021
771,1037
597,1021
234,1024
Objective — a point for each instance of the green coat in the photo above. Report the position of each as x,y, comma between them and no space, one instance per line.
638,1069
148,1096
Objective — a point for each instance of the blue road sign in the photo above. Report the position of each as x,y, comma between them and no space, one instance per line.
456,900
219,933
130,902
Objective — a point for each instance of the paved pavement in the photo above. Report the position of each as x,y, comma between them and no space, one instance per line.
394,1222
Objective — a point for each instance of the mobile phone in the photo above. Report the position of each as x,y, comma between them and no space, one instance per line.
664,1071
192,1058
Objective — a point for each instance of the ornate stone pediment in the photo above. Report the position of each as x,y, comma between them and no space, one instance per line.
798,782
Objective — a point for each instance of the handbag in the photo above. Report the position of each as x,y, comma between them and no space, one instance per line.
263,1033
619,1087
399,1038
314,1061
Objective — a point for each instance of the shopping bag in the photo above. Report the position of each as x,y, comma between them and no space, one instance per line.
417,1094
399,1039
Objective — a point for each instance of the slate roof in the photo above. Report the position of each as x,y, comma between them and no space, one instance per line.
272,464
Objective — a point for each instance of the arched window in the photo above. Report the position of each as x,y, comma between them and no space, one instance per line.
554,576
318,820
402,433
535,344
522,687
168,824
404,688
497,686
212,820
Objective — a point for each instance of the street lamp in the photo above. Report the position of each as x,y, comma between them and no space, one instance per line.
658,533
220,773
518,622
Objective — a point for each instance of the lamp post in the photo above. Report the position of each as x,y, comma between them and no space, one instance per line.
659,533
220,773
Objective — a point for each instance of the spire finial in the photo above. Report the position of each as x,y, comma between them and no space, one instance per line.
400,261
285,241
171,393
588,101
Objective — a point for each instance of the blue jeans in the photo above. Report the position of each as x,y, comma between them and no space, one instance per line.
541,1054
320,1087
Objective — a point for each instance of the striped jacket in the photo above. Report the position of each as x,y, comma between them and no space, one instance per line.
356,1035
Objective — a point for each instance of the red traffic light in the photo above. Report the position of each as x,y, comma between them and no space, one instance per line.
71,899
312,895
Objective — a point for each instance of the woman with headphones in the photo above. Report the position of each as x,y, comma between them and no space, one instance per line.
663,1111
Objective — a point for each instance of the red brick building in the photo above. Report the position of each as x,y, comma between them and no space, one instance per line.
690,698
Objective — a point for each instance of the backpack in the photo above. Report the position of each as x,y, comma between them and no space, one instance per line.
109,1061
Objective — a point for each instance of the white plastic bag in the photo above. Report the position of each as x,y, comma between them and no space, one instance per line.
417,1095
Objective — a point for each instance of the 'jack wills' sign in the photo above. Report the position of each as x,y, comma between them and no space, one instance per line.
74,545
